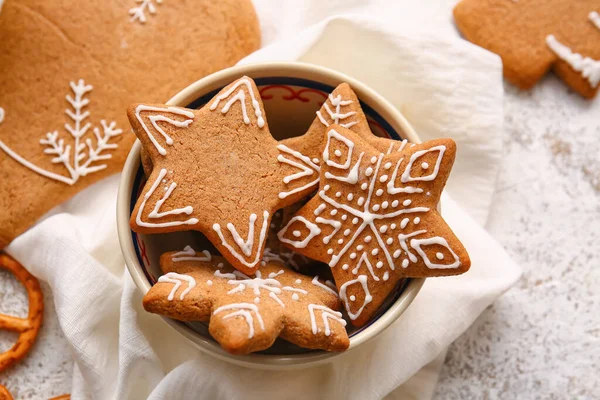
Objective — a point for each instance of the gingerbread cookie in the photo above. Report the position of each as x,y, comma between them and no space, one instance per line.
533,36
65,83
247,314
216,170
374,219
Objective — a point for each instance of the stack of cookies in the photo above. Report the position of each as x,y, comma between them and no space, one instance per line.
277,211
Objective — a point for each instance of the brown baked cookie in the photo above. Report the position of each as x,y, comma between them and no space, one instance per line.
68,72
375,221
533,36
305,152
215,170
247,314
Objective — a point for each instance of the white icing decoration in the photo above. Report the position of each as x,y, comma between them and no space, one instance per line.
406,177
176,280
277,299
336,116
1,114
362,279
156,213
189,254
365,259
316,282
241,96
209,282
417,243
336,227
594,17
295,297
243,310
333,134
155,119
81,166
326,314
589,68
241,282
402,239
313,230
307,169
226,275
392,189
245,246
139,13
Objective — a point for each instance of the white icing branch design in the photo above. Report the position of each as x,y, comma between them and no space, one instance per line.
139,13
270,284
334,117
75,158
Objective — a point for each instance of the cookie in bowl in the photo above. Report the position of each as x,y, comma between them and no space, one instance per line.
246,313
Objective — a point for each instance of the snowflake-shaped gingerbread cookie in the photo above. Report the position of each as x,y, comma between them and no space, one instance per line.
374,219
246,314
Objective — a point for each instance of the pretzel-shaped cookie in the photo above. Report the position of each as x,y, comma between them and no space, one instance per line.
27,328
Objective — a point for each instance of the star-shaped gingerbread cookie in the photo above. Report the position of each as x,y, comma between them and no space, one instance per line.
215,170
374,219
533,36
247,314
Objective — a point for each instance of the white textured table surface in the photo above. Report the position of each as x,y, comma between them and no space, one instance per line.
542,338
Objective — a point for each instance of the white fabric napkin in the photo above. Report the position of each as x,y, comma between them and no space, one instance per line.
411,54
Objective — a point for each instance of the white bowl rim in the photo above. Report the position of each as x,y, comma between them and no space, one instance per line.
185,97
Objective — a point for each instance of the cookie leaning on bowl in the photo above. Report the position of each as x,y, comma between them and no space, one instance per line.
374,219
247,314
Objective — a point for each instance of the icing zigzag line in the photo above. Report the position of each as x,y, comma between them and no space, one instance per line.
245,246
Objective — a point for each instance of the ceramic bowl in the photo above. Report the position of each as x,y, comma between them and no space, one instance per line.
292,93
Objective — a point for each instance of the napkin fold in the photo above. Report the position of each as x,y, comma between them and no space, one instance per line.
445,87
